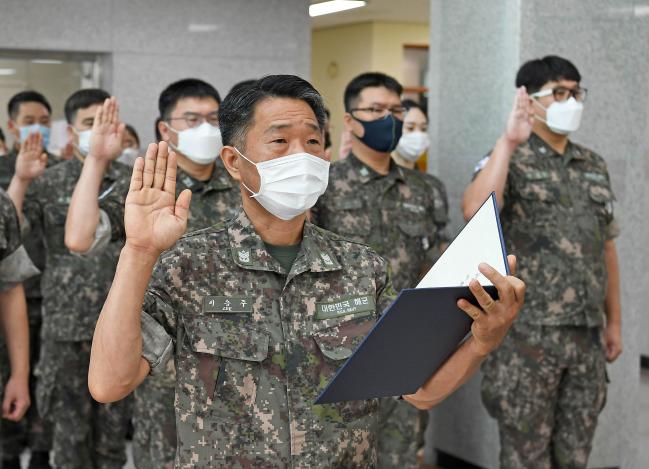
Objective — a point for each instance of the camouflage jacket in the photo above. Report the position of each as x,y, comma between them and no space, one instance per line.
213,202
402,215
34,242
9,227
557,214
74,287
254,345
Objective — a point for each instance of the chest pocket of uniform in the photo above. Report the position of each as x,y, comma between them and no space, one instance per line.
226,364
334,345
541,190
352,219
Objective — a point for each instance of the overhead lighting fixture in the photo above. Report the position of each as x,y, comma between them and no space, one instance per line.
5,72
202,28
334,6
47,61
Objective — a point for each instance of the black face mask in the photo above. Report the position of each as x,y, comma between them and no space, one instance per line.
382,134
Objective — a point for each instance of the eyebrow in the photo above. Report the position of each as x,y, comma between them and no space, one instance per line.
275,127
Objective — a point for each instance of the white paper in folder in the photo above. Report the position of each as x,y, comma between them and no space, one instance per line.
479,241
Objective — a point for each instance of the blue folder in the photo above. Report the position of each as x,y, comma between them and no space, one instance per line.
409,343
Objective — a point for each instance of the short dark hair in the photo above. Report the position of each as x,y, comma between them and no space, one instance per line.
536,73
130,129
411,103
26,97
242,83
186,88
83,99
238,109
369,80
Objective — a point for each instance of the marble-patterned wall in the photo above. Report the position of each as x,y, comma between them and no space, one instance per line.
476,48
148,43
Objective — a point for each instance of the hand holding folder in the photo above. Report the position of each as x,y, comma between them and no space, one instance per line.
422,328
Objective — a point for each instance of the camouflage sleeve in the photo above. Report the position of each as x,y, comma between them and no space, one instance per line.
385,292
112,205
480,166
10,237
440,213
158,322
612,230
33,205
16,268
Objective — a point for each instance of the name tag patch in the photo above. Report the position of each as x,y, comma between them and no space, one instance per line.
595,177
227,304
414,208
343,307
537,175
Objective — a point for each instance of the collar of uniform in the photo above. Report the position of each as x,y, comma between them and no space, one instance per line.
218,181
366,174
541,148
249,252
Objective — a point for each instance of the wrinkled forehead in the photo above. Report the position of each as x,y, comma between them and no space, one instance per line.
283,114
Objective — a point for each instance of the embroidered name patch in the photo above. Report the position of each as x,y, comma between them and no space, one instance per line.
227,304
343,307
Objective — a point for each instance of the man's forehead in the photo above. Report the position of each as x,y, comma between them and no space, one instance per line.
284,112
561,82
195,104
30,108
379,95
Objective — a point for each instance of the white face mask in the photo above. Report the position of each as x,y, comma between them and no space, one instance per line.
128,156
290,185
412,145
563,117
83,146
200,144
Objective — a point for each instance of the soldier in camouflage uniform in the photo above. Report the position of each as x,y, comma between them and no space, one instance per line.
399,212
547,385
15,267
215,198
85,434
29,111
256,335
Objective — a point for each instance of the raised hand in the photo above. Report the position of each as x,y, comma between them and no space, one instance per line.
154,219
521,118
492,320
107,132
32,160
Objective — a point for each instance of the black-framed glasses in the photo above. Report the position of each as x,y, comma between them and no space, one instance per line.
194,119
378,112
561,93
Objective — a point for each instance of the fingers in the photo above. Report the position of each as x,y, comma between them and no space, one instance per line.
474,312
511,260
115,109
484,299
149,165
182,205
170,177
161,166
505,289
136,176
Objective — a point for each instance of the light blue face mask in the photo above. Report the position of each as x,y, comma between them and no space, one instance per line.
32,129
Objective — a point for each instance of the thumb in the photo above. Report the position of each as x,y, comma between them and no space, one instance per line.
511,260
120,129
182,205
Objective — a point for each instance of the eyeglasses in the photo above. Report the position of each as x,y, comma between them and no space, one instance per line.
379,112
561,93
194,119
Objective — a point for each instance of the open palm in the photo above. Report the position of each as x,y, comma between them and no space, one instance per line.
154,219
107,132
521,118
32,160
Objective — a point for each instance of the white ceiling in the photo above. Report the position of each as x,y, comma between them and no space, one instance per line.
415,11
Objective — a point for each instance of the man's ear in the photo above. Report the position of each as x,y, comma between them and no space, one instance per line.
69,130
231,159
347,121
164,130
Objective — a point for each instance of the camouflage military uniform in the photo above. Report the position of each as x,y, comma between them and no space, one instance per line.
403,216
32,430
547,384
254,345
154,418
86,434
